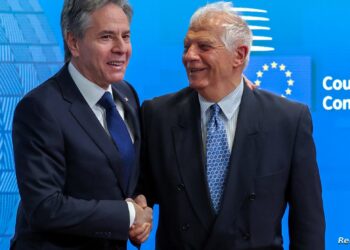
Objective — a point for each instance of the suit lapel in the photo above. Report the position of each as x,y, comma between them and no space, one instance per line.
188,146
81,111
244,159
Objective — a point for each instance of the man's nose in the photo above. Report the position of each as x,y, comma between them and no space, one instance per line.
119,46
191,54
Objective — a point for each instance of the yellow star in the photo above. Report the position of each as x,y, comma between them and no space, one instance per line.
290,82
274,65
257,83
259,73
288,91
265,67
288,74
282,67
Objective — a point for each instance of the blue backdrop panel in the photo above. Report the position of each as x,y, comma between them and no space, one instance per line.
300,51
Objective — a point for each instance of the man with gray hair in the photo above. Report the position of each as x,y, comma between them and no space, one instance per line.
223,160
76,141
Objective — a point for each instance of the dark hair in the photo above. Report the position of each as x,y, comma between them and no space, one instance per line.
75,17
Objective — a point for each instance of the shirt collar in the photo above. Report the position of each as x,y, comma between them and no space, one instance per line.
91,92
228,104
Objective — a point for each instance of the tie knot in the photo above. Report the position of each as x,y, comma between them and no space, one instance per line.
107,101
215,109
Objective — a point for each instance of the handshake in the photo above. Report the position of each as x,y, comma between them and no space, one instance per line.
142,226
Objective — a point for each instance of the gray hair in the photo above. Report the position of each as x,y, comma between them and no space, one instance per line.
236,29
75,17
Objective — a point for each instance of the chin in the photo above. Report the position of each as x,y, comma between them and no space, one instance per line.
197,84
117,78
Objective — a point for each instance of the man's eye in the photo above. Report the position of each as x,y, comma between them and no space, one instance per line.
204,46
126,37
106,37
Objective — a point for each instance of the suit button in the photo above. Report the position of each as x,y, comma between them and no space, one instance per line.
180,187
252,196
185,227
246,236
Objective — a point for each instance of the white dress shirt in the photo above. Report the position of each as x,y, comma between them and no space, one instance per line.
229,106
92,93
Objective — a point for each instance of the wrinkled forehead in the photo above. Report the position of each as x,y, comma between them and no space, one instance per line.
202,36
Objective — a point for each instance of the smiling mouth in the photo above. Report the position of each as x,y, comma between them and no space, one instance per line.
195,70
117,64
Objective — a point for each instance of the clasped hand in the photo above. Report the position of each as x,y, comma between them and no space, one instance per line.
142,226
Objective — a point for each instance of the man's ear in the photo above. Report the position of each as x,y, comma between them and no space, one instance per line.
241,53
72,44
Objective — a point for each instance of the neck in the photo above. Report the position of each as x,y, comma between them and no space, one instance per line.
81,71
214,93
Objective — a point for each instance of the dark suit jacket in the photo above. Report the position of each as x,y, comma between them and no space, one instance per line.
67,170
272,164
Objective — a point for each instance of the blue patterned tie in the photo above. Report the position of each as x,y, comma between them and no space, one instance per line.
218,156
120,136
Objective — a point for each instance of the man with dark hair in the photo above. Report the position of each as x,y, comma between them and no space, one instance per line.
222,159
76,140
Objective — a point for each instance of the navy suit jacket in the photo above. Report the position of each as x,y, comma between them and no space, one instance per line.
273,163
67,170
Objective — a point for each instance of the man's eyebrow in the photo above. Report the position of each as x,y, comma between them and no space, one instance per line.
111,32
200,40
106,32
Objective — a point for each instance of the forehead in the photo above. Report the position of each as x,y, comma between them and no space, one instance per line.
109,16
208,34
201,35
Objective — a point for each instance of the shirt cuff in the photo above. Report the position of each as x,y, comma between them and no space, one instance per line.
131,212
